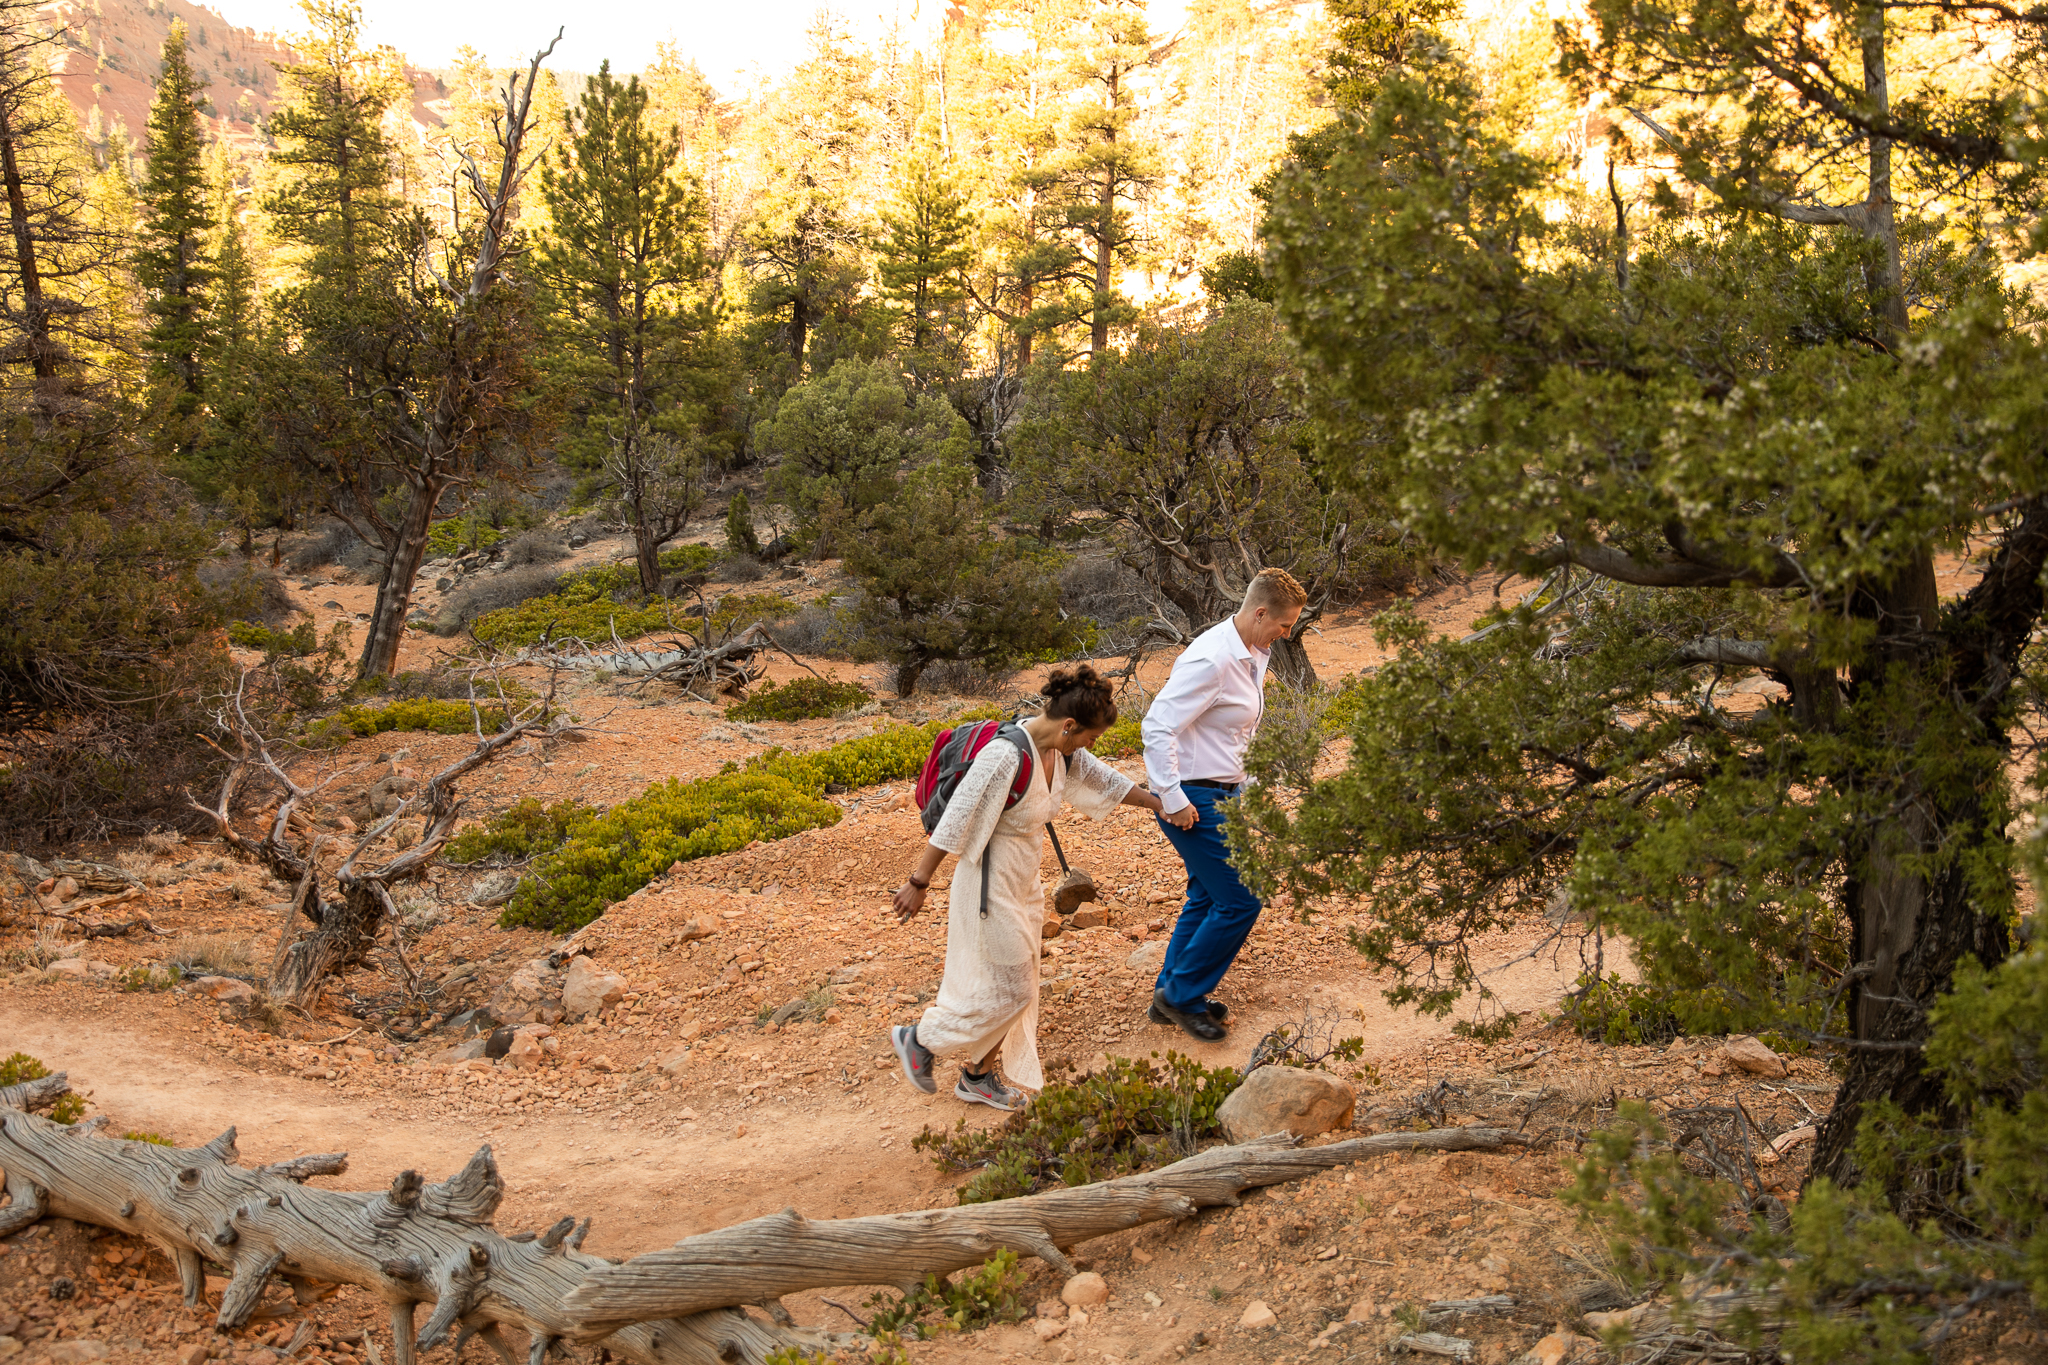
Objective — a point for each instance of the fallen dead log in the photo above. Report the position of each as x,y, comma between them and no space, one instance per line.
416,1243
762,1260
412,1244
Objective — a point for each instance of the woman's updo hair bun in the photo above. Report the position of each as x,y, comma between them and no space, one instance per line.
1081,695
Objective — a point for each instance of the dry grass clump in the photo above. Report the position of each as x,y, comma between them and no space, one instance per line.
211,954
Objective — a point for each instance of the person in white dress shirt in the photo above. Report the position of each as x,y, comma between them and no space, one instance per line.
1196,735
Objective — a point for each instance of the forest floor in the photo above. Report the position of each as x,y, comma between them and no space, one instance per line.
680,1110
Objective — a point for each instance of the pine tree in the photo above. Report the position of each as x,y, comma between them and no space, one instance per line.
335,162
1107,162
627,267
924,251
171,259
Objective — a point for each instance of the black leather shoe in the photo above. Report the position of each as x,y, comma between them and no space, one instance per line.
1217,1011
1203,1026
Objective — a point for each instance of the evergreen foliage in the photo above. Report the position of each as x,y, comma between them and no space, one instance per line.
171,258
937,583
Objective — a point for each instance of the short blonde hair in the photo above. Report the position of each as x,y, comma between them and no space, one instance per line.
1275,590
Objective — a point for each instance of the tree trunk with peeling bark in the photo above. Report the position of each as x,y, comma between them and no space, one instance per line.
415,1244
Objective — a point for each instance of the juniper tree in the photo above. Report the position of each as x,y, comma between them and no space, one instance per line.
1726,449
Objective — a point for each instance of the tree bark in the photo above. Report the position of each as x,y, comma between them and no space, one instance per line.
407,551
1290,653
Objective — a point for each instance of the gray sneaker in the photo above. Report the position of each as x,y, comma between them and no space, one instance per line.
989,1090
917,1059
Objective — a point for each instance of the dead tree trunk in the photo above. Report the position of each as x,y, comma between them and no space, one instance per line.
415,1243
345,927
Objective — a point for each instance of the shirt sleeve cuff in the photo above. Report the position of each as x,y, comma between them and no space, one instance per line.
1172,799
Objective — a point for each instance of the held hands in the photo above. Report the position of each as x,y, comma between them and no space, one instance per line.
909,902
1184,818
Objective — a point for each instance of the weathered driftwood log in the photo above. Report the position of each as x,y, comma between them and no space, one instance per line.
411,1244
761,1260
416,1243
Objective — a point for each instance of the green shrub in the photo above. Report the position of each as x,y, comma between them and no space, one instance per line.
607,857
1121,740
740,538
145,978
613,855
435,716
296,643
979,1298
1619,1013
154,1139
738,610
1127,1117
460,535
20,1067
586,606
526,830
803,699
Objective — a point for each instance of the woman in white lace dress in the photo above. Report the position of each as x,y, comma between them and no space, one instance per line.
987,1007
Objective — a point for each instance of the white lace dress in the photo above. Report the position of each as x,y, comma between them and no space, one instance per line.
989,994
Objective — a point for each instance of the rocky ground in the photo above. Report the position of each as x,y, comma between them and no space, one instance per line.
715,1048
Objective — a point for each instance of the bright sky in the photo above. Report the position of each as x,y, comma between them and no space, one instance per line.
734,41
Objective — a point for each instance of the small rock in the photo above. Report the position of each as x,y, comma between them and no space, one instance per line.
194,1353
79,969
1257,1315
389,792
498,1042
1051,1308
495,889
1052,928
461,1052
1149,958
691,1031
1748,1054
844,976
531,994
9,1347
693,930
588,988
1090,917
834,1017
1084,1290
63,890
225,989
1557,1348
1274,1098
1362,1311
785,1013
75,1352
739,1130
675,1063
525,1051
1046,1329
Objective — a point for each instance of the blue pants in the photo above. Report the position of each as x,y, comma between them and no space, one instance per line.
1220,912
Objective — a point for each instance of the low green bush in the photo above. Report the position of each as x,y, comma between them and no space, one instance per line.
295,643
1121,740
435,716
803,699
736,611
587,605
1132,1115
526,830
20,1067
979,1298
153,1139
460,535
607,857
1619,1013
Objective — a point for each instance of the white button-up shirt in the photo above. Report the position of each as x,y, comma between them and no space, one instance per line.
1203,720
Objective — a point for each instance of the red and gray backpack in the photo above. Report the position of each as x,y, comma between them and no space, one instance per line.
953,753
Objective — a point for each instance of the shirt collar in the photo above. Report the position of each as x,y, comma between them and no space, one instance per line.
1234,645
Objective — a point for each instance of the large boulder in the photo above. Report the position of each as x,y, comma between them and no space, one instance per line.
589,989
1274,1098
533,994
225,989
